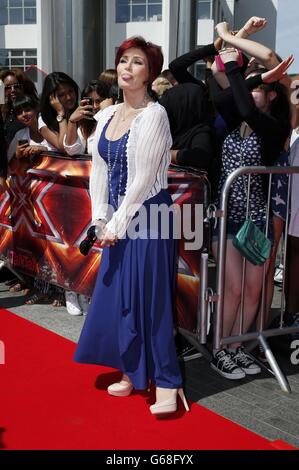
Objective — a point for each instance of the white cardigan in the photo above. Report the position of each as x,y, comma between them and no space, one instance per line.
148,157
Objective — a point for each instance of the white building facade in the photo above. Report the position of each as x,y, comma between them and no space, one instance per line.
80,37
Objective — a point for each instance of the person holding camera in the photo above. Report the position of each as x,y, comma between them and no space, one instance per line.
27,141
82,123
130,320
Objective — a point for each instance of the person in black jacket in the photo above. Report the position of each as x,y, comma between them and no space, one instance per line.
190,124
179,66
259,124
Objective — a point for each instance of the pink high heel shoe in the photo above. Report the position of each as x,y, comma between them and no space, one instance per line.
170,405
121,389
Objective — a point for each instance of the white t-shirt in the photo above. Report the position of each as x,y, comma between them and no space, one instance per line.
79,147
23,134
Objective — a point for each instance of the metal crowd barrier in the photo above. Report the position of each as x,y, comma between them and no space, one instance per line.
45,214
261,332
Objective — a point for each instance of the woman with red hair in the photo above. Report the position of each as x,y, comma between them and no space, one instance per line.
130,321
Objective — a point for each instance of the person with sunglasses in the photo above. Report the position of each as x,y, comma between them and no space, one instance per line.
16,84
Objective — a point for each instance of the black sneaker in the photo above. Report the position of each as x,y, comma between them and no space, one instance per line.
243,360
259,353
223,363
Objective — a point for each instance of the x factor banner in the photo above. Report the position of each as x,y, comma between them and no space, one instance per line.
45,214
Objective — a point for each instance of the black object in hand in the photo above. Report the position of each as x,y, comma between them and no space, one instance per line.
91,237
89,101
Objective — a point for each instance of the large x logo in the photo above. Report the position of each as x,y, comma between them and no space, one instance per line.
23,204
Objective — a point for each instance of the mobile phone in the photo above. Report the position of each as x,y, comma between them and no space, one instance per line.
89,101
22,142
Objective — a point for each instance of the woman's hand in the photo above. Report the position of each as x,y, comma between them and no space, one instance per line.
83,111
278,72
229,54
21,150
222,29
34,150
55,103
108,239
218,43
254,24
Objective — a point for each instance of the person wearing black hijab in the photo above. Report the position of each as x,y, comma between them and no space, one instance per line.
190,124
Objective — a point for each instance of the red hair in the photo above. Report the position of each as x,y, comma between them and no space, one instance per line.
152,51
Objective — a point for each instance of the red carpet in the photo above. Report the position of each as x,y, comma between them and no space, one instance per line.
49,402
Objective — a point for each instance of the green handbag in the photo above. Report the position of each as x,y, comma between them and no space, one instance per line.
252,243
250,240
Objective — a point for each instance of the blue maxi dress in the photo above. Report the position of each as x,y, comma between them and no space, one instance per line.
129,325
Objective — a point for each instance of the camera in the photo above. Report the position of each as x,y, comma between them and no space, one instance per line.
89,101
93,234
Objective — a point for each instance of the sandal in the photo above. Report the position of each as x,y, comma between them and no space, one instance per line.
37,298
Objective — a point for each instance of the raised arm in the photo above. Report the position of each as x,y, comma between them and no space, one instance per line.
252,26
224,102
179,66
262,123
263,54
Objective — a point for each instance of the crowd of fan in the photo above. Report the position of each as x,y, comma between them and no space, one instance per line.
241,114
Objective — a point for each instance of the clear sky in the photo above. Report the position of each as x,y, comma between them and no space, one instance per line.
287,39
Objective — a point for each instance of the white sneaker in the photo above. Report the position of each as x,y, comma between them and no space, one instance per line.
278,275
84,303
72,305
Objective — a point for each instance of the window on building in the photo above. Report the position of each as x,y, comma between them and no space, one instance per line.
17,12
138,10
204,9
18,58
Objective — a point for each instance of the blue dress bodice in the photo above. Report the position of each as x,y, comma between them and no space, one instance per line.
114,152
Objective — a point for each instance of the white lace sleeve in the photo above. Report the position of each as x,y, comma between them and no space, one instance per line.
153,143
98,184
78,148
